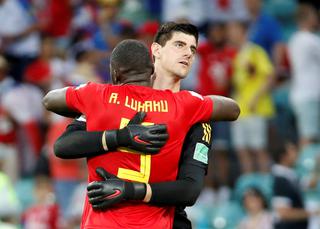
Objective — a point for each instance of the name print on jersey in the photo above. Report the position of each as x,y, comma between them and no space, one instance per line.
146,106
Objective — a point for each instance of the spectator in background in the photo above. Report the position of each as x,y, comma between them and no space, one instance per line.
190,10
23,105
259,33
10,208
252,80
147,31
223,10
66,174
214,78
256,207
109,31
304,51
44,212
55,15
287,200
76,204
20,41
107,34
59,68
84,16
8,147
216,58
85,66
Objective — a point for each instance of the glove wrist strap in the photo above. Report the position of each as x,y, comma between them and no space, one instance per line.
135,190
111,139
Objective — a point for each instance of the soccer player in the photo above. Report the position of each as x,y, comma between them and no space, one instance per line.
172,37
100,102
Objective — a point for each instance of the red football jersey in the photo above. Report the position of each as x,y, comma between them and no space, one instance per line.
215,69
108,107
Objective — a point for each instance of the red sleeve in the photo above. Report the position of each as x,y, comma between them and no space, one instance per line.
198,108
82,98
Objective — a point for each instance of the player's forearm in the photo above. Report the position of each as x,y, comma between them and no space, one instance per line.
184,191
55,101
79,144
176,193
224,109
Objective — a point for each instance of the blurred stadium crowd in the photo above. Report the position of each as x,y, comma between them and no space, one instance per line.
264,54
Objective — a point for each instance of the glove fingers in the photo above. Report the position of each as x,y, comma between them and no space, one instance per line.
104,174
94,185
137,118
155,137
94,193
96,199
159,128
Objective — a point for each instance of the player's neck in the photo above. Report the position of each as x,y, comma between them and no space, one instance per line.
139,83
164,80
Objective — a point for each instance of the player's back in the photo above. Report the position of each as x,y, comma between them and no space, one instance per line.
111,107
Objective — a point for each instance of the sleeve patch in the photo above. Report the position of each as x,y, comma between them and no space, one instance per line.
201,153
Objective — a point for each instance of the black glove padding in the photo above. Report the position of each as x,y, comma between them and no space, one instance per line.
113,190
145,139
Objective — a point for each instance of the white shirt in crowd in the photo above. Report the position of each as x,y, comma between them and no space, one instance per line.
304,53
15,19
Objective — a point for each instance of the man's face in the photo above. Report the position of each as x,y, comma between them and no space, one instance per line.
177,55
217,34
235,33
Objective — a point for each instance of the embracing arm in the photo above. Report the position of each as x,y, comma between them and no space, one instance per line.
55,101
186,189
182,192
77,142
224,108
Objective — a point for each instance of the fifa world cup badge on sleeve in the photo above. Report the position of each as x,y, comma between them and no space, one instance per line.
201,153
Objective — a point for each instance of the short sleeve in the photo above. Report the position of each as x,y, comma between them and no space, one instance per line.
197,107
81,98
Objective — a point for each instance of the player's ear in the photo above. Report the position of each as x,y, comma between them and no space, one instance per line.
155,49
114,75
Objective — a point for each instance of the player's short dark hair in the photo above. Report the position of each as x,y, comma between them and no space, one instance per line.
166,31
131,57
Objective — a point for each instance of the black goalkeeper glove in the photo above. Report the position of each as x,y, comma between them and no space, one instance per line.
145,139
113,190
